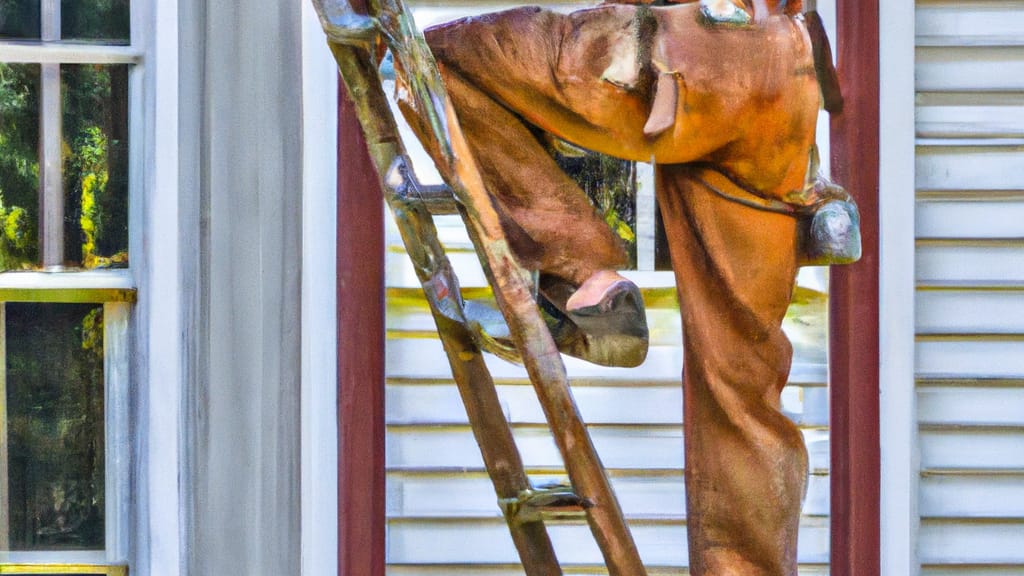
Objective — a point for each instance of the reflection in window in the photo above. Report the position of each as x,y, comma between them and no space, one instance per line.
95,165
610,184
19,19
98,20
94,141
19,164
55,426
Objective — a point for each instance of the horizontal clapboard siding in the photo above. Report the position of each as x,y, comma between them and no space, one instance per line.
485,541
970,273
644,496
971,570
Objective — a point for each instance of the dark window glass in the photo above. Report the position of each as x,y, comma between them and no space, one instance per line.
610,183
19,19
55,426
104,21
96,165
19,165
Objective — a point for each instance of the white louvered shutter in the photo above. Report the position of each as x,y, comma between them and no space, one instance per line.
970,278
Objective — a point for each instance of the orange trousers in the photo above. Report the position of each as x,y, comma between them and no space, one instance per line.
521,72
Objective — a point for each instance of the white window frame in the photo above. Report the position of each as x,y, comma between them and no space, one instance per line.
900,457
160,342
115,290
319,427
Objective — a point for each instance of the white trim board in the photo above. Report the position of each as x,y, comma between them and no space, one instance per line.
319,319
899,515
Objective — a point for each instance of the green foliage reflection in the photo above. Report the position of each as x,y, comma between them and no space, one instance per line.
96,165
106,20
95,162
55,426
19,19
610,183
19,166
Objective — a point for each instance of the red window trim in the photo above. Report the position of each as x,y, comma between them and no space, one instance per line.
853,363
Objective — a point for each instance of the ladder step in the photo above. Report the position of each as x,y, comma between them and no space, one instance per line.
557,502
486,321
438,199
605,349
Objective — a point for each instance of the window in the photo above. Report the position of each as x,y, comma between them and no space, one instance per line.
69,96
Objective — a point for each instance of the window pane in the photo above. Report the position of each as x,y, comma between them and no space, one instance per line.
101,20
96,165
19,19
611,185
19,164
55,431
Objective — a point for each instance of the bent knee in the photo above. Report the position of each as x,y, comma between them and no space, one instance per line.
496,42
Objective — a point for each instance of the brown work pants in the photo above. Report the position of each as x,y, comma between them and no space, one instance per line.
735,266
746,463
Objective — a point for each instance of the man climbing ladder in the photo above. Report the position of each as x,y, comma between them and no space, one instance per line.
725,103
723,97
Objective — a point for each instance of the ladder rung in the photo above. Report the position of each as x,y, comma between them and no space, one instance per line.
556,502
438,199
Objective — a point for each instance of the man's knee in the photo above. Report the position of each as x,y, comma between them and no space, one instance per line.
494,44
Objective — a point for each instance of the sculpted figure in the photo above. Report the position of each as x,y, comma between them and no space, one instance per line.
723,97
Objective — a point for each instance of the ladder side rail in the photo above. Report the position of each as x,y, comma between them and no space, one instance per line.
547,373
476,386
427,97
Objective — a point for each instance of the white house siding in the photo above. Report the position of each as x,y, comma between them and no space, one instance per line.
442,512
970,286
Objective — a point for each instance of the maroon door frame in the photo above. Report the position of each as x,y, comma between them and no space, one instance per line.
360,260
853,358
853,361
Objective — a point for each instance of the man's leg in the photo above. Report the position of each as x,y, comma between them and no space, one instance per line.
746,464
550,223
548,220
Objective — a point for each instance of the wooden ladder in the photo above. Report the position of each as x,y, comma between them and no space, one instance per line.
462,326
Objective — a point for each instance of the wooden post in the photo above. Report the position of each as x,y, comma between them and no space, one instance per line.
360,256
854,367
